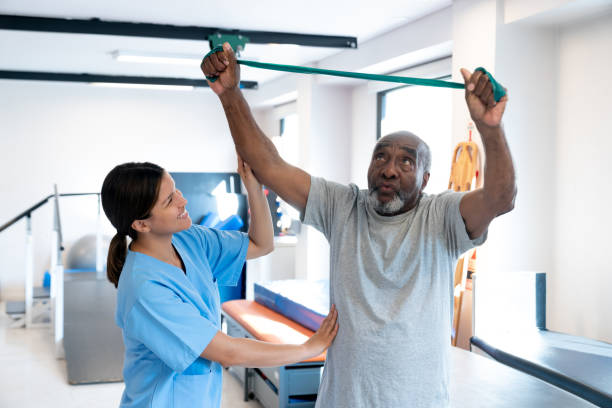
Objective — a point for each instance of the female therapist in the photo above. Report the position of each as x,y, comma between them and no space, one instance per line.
168,299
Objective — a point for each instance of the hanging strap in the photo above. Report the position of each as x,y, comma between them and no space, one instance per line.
498,90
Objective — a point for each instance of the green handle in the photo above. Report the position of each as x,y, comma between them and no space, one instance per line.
498,90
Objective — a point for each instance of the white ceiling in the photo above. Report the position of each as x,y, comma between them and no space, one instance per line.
79,53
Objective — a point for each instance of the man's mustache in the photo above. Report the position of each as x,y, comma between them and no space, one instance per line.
375,189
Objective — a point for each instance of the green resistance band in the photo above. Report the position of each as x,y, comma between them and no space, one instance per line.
498,90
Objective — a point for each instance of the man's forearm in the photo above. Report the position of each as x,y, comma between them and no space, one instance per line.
499,177
251,143
289,182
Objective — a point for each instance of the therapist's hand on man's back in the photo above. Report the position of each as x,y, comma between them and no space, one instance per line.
321,340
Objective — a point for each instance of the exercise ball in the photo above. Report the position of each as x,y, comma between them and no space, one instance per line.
82,254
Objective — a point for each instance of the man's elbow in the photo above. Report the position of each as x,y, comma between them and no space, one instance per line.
267,249
507,200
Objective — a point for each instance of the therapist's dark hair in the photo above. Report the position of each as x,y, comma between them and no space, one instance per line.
129,192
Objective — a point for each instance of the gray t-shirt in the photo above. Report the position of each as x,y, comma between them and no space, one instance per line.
391,279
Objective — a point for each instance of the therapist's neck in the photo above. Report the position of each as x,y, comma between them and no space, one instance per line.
157,246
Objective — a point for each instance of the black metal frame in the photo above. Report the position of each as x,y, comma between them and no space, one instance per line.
150,30
101,27
113,79
28,213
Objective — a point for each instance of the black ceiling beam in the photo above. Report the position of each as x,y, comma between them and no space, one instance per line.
113,79
97,26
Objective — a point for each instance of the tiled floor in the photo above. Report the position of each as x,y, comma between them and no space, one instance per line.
30,376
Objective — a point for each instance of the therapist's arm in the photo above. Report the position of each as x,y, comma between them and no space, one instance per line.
233,351
261,232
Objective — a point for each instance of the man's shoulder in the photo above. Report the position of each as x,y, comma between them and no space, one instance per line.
438,207
325,186
443,198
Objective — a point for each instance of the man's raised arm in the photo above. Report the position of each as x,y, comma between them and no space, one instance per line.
289,182
496,197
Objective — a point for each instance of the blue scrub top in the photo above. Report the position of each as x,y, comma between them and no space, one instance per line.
168,317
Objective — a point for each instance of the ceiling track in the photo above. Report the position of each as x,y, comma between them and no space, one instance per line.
150,30
111,79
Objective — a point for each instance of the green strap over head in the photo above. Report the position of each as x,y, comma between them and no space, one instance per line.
498,90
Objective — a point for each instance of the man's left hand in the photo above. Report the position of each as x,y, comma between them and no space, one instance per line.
479,97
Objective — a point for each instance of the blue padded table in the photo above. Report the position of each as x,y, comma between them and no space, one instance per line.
305,302
576,364
479,382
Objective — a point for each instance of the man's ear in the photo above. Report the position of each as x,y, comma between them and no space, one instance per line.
425,180
141,226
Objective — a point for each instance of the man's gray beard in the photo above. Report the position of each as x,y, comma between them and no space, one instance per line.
388,208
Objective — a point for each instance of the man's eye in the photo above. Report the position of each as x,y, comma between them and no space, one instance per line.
379,156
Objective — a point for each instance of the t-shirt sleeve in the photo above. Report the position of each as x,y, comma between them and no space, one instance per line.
226,253
454,229
173,330
326,202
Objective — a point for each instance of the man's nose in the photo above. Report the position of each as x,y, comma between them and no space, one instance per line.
390,170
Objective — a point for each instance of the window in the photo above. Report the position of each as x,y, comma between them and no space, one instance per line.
287,142
284,216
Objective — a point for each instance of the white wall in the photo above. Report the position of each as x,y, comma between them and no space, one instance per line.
579,289
516,10
73,134
558,80
525,61
324,112
325,138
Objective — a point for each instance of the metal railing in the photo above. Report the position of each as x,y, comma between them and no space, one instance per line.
56,268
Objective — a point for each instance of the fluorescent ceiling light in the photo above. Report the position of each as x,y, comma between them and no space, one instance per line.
144,86
151,58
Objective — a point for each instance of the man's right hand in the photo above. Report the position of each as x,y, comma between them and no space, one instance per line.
223,65
290,183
